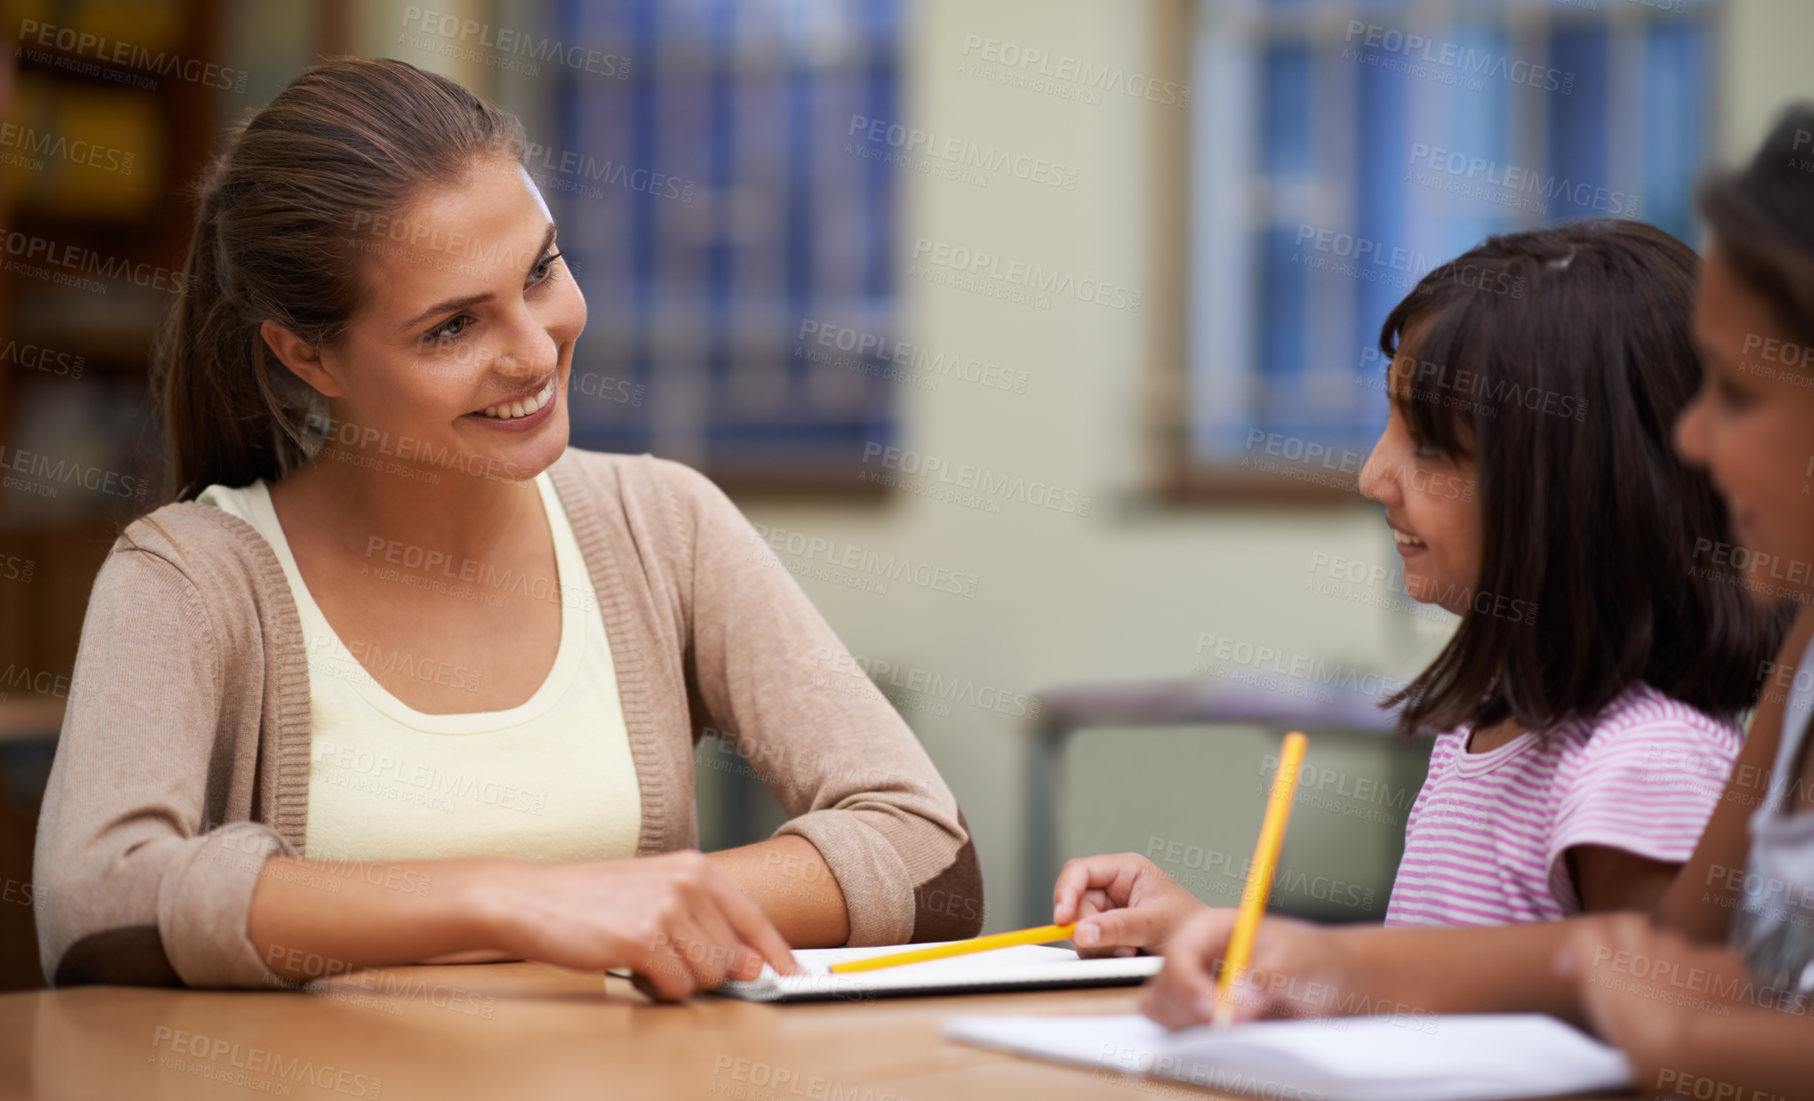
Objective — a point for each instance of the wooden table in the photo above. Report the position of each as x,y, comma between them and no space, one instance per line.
523,1030
526,1030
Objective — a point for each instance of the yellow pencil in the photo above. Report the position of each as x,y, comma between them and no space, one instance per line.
1044,934
1259,876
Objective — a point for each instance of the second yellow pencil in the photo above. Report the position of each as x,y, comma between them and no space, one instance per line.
1259,875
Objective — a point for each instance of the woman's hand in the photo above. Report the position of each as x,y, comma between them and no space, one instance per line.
1121,903
1642,987
674,920
1297,970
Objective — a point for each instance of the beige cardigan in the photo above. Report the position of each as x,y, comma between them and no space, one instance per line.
184,757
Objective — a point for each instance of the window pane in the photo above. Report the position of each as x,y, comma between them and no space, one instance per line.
1391,136
737,219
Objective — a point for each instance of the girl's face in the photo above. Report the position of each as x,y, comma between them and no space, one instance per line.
469,308
1429,498
1752,426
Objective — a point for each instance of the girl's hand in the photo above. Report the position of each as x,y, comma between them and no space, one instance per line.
1297,970
1122,903
674,920
1642,987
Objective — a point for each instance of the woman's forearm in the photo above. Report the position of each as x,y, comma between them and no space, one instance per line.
794,886
1502,969
676,920
310,918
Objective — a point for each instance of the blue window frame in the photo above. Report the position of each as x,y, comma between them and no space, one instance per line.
713,214
1341,150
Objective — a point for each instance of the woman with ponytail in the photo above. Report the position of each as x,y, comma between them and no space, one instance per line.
396,675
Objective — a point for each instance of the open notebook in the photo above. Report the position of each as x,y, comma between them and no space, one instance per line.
1020,968
1473,1057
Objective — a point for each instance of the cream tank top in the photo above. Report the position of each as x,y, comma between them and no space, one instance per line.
550,780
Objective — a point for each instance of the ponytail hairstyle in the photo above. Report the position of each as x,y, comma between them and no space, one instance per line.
1762,216
283,216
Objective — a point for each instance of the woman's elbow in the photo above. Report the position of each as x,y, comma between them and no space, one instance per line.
950,905
126,956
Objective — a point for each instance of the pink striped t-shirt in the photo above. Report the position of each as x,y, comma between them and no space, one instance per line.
1484,841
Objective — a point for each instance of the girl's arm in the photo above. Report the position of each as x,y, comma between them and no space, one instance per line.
1700,901
1504,969
1757,1054
1499,969
1124,902
1609,879
1302,969
1687,1015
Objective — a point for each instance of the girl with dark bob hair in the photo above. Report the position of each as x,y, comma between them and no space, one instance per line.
1711,990
1586,709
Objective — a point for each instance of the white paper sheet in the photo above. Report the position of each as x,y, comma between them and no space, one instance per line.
1020,968
1410,1057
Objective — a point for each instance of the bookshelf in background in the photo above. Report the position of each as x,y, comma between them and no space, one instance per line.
110,109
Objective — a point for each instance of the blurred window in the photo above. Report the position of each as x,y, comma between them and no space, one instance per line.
735,243
1339,151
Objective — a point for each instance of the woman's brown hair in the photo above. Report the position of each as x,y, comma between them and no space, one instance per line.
1559,360
286,218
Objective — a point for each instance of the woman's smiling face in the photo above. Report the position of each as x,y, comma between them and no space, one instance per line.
460,354
1752,426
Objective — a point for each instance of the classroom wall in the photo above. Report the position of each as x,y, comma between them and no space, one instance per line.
1765,64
